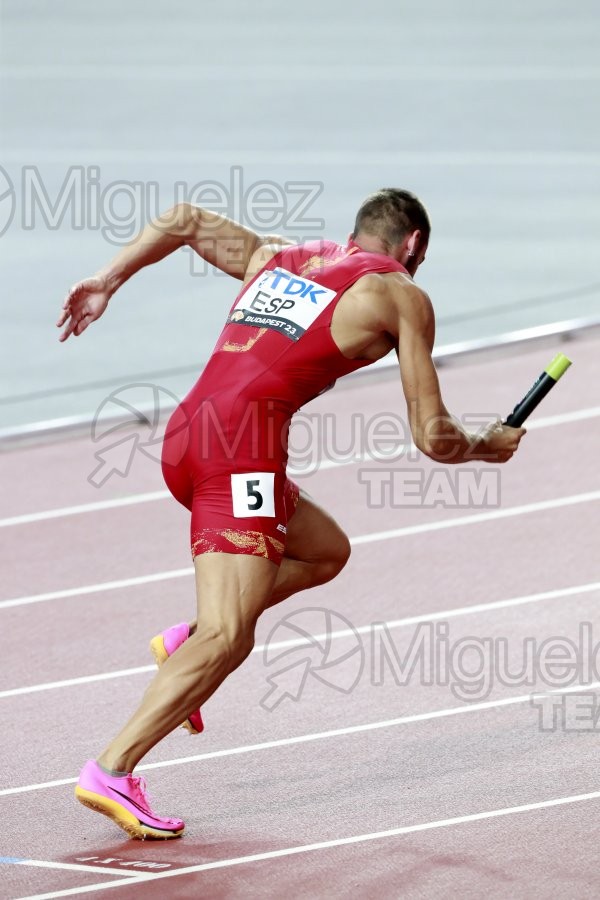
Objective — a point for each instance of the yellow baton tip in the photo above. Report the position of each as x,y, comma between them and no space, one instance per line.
558,366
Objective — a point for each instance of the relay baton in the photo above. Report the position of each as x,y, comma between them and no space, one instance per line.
540,387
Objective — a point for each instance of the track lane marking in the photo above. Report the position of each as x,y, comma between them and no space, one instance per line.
343,632
326,845
373,537
98,588
324,735
476,518
69,867
74,682
133,499
97,506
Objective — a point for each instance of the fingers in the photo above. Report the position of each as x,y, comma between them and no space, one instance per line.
65,312
68,330
82,324
66,309
76,326
504,456
76,293
76,298
512,446
63,317
518,435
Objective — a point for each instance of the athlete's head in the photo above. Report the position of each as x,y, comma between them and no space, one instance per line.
396,223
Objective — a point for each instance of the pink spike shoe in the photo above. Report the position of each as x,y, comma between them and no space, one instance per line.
124,800
164,645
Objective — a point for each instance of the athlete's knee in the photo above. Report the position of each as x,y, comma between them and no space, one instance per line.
335,559
232,640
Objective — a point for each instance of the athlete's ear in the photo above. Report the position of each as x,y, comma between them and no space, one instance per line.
409,253
413,243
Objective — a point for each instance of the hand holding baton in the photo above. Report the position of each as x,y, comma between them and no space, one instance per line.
541,386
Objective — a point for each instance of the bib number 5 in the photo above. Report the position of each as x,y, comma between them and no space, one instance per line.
253,494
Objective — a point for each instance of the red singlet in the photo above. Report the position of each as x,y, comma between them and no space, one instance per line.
225,447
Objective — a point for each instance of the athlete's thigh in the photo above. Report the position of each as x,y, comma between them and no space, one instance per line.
313,535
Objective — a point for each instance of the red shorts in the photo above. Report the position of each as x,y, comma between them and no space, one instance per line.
217,529
236,513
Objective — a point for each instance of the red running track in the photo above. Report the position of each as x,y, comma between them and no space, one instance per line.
436,781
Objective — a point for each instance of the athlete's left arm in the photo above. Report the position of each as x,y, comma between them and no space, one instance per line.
226,244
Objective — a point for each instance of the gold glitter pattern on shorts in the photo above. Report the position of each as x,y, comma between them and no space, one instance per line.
227,540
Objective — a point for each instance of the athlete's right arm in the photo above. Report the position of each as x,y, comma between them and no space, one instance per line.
435,432
220,241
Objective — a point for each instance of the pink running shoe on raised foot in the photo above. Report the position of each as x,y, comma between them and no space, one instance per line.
164,645
123,799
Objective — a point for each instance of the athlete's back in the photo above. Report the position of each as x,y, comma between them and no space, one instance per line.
277,342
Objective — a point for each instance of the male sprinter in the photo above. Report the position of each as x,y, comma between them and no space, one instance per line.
306,315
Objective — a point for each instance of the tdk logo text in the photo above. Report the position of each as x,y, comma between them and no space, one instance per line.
295,287
281,301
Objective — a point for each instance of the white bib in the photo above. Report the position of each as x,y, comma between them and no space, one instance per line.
282,301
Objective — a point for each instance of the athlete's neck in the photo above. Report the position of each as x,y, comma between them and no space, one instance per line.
370,243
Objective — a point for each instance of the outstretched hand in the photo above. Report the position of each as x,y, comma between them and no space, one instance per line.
85,302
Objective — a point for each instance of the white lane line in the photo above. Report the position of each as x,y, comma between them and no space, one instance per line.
328,845
73,682
577,415
341,633
325,735
97,506
72,867
477,518
58,782
374,537
98,588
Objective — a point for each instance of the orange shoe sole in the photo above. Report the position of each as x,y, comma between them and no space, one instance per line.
123,818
